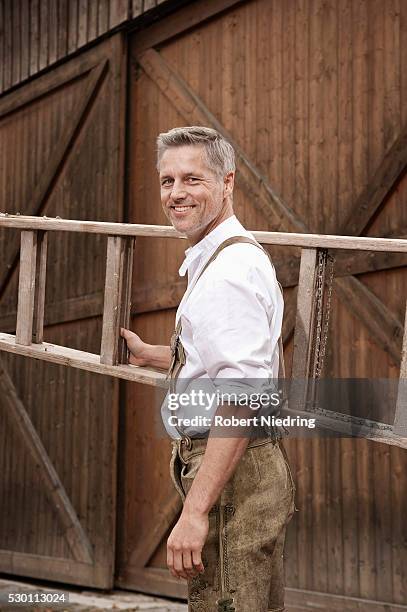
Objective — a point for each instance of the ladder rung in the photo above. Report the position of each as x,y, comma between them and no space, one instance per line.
66,356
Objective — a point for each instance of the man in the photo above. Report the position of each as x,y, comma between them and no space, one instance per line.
238,492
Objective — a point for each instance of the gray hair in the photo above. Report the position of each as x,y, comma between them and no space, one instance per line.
220,154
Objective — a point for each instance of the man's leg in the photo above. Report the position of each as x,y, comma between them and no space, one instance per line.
243,553
255,525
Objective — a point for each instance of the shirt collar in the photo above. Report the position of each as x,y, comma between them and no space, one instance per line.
230,227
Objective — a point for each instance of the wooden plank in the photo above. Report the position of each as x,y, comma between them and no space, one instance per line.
39,288
44,85
44,37
48,178
72,25
2,57
290,313
63,311
344,98
181,21
41,566
125,296
24,10
346,264
16,37
149,4
400,419
150,299
159,296
52,32
111,307
326,241
119,12
304,318
385,327
34,36
397,499
163,296
26,287
151,580
63,355
17,414
158,581
103,17
383,513
116,310
194,111
62,28
360,263
136,8
8,44
143,553
366,518
383,181
82,22
93,8
298,600
349,496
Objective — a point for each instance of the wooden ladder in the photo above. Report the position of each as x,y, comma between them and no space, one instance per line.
28,340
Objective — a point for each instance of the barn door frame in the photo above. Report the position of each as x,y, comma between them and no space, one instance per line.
87,566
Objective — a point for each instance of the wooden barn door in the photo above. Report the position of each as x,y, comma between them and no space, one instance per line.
61,140
313,97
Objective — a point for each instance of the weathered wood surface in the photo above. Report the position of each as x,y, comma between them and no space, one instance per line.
315,104
17,414
396,245
40,285
26,287
37,33
304,318
62,149
386,176
40,195
63,355
116,307
400,418
161,296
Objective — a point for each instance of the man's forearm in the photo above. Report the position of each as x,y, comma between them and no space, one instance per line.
221,457
157,356
219,462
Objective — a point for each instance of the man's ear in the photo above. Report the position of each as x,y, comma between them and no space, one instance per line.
228,184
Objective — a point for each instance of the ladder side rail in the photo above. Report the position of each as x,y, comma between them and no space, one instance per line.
116,307
39,291
26,287
303,331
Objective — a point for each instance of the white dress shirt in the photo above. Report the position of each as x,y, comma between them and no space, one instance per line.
231,320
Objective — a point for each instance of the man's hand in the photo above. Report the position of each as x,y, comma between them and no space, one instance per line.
136,347
185,544
143,354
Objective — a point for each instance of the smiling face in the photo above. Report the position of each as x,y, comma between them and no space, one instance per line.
194,198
